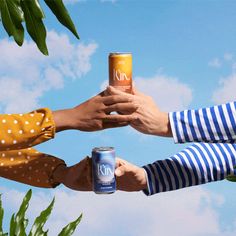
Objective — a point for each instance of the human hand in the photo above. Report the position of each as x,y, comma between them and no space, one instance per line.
77,177
129,177
149,118
94,114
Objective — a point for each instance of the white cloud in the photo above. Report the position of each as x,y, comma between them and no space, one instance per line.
228,56
234,66
25,74
226,90
188,212
168,92
215,62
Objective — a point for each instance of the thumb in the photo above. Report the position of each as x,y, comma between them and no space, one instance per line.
113,91
120,171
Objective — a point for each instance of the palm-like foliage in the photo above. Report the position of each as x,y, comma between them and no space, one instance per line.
19,223
232,178
14,12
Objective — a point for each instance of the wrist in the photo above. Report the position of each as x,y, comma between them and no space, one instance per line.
143,180
59,174
63,119
166,125
163,126
147,191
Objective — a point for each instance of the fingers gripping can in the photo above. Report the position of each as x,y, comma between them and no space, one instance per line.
103,169
120,71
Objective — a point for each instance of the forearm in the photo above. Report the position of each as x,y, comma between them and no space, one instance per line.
198,164
214,124
30,167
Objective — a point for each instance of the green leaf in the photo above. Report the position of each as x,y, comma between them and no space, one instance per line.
37,10
37,228
6,18
34,24
1,217
70,228
17,17
12,225
20,221
17,13
60,11
12,17
231,178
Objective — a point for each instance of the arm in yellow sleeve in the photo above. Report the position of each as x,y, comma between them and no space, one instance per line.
19,131
29,166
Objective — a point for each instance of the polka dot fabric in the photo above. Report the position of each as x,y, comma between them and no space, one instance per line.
29,166
20,162
19,131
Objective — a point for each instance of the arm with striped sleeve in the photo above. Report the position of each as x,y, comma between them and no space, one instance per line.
197,164
213,124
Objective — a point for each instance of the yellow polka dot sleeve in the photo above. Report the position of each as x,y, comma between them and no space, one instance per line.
29,166
19,131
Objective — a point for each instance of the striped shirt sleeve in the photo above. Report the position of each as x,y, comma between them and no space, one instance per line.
197,164
213,124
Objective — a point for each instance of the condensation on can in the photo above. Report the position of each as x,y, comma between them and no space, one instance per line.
120,71
103,170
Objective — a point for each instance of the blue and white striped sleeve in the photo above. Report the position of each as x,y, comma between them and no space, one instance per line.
213,124
197,164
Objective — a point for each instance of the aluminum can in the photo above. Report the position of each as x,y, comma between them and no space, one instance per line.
120,71
103,170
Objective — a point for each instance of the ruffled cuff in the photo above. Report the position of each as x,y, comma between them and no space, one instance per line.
46,126
19,131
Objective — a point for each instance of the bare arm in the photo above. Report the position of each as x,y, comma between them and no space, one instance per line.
94,114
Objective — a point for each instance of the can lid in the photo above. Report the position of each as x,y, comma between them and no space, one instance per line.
103,149
119,53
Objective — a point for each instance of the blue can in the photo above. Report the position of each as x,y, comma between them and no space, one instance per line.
103,170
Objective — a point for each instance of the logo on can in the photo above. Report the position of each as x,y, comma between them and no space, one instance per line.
120,71
103,168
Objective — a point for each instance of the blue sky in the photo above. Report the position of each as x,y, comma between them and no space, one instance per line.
184,56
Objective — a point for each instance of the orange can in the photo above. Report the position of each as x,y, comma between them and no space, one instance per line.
120,71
